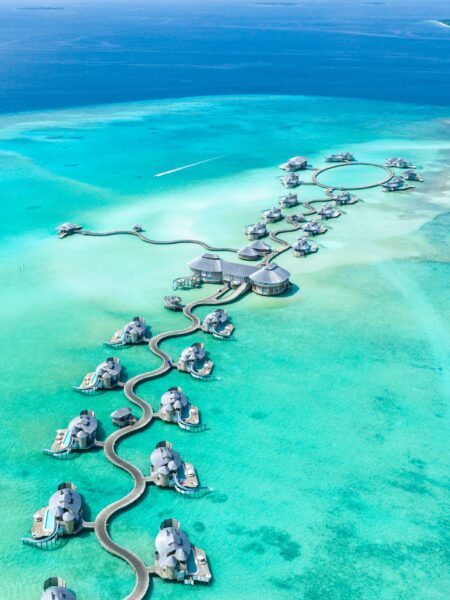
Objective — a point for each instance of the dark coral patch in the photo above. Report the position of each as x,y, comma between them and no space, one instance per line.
255,547
259,415
265,536
218,498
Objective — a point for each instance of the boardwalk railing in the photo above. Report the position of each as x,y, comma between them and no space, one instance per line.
41,542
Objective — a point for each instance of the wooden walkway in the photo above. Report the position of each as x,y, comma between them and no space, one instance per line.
147,240
274,235
315,175
222,296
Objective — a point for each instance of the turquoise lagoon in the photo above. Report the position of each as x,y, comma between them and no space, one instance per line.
327,413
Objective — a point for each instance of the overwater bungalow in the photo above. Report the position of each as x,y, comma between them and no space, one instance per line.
395,184
298,218
313,227
123,417
167,470
176,559
55,588
288,200
105,377
341,157
174,407
218,324
270,280
193,360
137,228
67,229
63,516
411,175
256,231
291,180
173,303
328,211
344,197
296,163
261,247
248,253
81,434
272,215
399,163
303,247
134,332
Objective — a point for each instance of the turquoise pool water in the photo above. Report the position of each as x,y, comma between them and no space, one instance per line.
327,436
66,439
49,523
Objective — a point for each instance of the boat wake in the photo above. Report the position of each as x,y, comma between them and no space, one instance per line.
200,162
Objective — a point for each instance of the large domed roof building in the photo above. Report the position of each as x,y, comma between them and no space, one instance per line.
270,280
212,269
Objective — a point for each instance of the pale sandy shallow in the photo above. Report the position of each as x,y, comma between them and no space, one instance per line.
327,413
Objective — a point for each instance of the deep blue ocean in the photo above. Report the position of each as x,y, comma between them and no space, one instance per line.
58,53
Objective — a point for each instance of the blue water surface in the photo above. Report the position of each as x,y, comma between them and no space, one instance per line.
76,52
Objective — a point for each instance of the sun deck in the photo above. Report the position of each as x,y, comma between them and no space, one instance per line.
204,370
192,417
190,476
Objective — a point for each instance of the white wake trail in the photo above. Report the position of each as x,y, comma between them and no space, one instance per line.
200,162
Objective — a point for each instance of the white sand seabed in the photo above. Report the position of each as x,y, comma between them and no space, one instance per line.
383,227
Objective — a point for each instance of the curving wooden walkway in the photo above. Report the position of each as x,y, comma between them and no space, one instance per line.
274,235
147,240
221,296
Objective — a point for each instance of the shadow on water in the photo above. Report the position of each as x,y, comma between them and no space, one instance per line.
101,434
291,291
87,512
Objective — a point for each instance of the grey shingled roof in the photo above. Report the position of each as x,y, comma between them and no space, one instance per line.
84,422
66,499
213,264
57,592
172,543
165,457
270,274
248,251
207,262
260,245
297,159
230,268
120,413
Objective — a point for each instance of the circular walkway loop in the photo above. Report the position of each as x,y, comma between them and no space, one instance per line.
315,175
